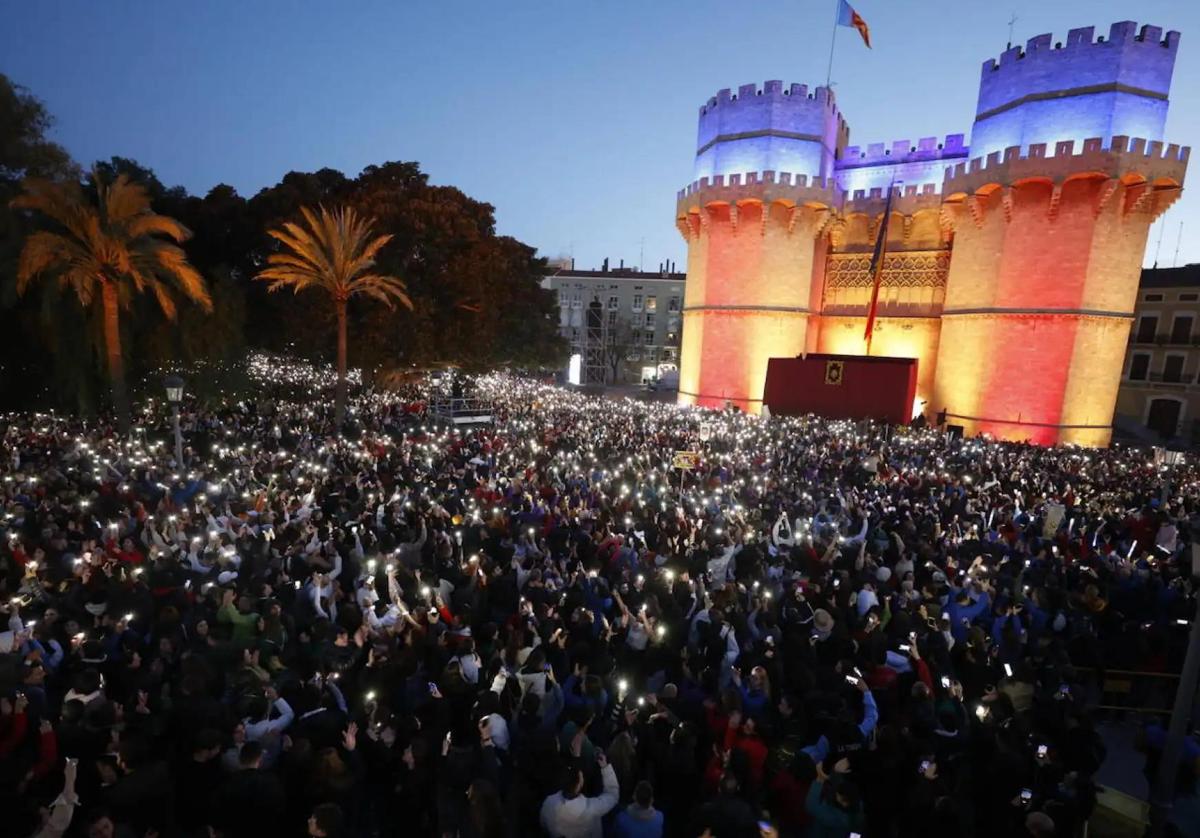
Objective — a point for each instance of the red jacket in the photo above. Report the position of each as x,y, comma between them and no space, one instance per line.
754,749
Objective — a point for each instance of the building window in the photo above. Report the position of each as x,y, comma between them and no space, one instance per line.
563,298
649,321
637,302
614,302
1147,327
576,301
651,304
1153,298
673,304
1163,416
1139,366
1181,329
649,338
1189,298
612,319
1173,369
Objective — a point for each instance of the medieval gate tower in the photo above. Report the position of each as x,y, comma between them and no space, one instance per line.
1012,264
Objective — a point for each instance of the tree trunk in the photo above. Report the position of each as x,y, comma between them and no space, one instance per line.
116,361
340,397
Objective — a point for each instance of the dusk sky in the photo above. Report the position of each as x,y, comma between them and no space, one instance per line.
575,119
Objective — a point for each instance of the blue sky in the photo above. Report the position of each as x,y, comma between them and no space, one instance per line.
575,118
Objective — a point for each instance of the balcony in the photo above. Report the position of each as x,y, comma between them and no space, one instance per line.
1163,339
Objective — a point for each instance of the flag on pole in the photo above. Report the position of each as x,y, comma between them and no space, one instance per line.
877,266
848,17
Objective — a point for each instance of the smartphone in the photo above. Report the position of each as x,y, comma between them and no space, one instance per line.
924,766
850,679
432,687
945,682
1041,751
904,647
1026,795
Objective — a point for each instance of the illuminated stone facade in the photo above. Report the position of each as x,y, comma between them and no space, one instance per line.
1012,265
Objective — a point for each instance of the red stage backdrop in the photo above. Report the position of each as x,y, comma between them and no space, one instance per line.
842,387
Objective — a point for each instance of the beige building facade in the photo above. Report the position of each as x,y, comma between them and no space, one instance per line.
1159,396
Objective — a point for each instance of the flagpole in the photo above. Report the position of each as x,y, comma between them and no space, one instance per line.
837,15
877,263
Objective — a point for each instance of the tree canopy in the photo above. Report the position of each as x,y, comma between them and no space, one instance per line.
476,296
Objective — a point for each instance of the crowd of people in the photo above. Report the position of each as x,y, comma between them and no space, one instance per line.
540,626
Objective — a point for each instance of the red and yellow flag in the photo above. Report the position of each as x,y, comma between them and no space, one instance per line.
848,17
877,266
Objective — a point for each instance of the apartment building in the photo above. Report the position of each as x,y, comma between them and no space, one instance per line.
642,316
1160,382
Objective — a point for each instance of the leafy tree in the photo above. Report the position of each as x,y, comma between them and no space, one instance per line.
30,335
106,251
24,149
334,252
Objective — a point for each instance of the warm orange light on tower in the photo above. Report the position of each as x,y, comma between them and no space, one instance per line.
1010,275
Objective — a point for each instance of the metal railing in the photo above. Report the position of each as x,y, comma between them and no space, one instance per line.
1131,691
462,411
1164,339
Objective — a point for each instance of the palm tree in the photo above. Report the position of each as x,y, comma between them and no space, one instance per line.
107,249
334,253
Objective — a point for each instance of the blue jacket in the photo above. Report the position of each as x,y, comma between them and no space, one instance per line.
969,612
635,822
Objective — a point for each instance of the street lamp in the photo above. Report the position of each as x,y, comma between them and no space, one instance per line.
174,385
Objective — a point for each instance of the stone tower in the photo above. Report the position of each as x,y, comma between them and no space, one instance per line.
1050,221
754,219
1012,265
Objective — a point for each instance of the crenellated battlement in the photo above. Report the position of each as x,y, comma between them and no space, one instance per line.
1149,160
903,151
749,180
773,89
1129,62
753,106
772,126
1082,42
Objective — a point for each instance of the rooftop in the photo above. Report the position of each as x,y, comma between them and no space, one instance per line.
1186,276
615,273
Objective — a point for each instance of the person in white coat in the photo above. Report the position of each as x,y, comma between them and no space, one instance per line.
568,814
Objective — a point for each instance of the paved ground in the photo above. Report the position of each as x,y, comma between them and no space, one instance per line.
1122,771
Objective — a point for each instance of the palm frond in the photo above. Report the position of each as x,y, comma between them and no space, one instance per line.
332,250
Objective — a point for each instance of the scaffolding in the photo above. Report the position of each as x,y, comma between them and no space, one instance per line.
594,344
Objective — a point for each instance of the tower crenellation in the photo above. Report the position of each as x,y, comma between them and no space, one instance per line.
1089,86
1083,53
903,151
772,126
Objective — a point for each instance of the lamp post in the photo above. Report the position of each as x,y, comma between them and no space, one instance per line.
174,385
